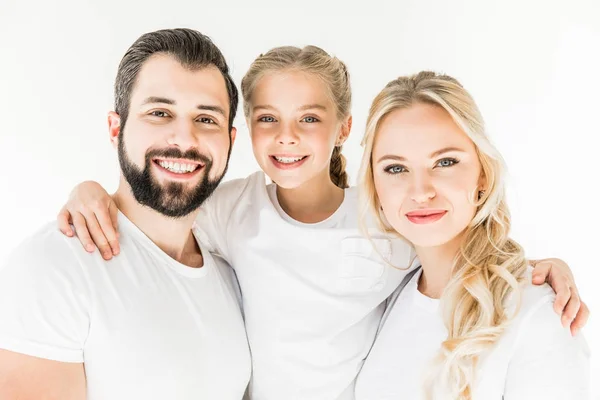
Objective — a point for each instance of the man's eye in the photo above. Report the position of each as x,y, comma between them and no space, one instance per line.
206,120
395,169
266,119
159,114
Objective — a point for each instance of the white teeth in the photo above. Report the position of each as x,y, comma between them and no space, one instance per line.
178,168
288,160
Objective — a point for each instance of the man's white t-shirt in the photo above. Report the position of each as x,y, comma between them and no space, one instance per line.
313,294
145,326
535,359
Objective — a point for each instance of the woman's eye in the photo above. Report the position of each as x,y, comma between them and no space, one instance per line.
310,120
266,119
395,169
159,114
206,120
446,162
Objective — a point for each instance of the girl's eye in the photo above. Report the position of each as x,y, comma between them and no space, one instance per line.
395,169
446,162
266,119
159,114
310,120
206,120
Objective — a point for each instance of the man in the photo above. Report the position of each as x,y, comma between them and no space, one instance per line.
161,321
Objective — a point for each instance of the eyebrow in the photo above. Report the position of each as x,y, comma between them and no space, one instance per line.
164,100
313,107
303,108
433,155
216,109
154,99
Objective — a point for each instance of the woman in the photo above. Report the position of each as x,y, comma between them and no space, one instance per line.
468,324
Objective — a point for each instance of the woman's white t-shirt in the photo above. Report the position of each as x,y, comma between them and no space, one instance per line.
536,358
313,294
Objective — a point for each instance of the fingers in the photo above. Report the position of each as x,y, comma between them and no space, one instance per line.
98,236
571,309
63,220
563,296
580,319
114,215
108,224
541,272
82,232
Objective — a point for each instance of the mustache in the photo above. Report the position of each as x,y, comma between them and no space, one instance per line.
171,152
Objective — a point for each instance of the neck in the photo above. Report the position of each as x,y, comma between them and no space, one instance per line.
172,235
437,263
312,202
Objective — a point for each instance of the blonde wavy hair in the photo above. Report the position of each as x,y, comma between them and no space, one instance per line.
489,266
315,61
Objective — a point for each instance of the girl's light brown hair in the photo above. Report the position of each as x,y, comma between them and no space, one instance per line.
315,61
489,266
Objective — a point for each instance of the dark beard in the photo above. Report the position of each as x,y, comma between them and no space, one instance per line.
172,199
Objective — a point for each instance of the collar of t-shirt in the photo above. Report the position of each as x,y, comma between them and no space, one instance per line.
128,228
417,298
327,223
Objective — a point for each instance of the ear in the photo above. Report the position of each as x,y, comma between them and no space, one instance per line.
345,130
114,128
482,184
233,135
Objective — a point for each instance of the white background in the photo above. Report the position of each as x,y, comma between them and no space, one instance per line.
533,67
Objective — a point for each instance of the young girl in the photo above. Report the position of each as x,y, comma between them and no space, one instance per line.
469,324
313,287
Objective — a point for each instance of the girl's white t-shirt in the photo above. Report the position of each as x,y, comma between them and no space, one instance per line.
313,294
536,358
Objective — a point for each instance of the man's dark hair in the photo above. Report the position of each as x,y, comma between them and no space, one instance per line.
191,48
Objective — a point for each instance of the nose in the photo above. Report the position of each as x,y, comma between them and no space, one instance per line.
183,135
422,189
287,136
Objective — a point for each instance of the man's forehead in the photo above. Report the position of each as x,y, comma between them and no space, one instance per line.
163,75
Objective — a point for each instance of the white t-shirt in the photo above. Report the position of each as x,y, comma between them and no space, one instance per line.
145,326
534,359
312,294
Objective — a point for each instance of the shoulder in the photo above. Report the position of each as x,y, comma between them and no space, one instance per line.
46,256
531,298
544,359
235,188
228,195
230,198
45,298
47,245
536,325
356,210
352,192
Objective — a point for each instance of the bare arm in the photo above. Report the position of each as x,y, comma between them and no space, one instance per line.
24,377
